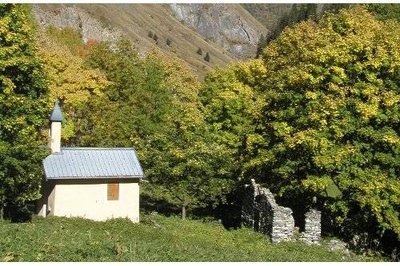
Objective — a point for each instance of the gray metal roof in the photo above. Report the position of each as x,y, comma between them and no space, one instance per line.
91,163
56,115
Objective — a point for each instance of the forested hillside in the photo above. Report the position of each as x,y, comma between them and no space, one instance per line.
316,116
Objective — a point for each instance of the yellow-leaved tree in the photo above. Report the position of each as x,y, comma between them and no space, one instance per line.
76,85
331,121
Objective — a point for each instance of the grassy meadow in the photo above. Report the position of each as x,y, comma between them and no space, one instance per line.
155,238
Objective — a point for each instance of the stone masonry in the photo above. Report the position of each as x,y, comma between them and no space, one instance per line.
261,212
312,229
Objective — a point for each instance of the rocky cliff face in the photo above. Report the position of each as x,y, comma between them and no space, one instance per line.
229,26
78,19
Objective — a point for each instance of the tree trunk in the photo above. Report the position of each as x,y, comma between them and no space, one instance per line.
183,212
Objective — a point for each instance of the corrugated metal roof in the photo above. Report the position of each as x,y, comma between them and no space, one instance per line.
78,163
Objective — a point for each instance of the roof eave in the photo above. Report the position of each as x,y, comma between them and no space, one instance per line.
92,177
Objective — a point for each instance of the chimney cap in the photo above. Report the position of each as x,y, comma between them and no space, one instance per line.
56,115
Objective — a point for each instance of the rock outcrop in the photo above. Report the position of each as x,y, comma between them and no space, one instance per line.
77,19
230,26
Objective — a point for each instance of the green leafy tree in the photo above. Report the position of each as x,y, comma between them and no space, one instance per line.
23,110
134,105
385,11
232,106
152,104
298,13
198,167
331,120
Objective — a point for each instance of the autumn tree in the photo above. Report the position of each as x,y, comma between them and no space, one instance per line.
23,111
331,120
76,85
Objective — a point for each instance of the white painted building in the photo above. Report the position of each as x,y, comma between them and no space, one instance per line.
93,183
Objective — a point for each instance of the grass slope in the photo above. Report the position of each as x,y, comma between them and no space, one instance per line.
156,238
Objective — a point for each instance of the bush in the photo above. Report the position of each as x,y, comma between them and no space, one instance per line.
199,51
155,37
207,57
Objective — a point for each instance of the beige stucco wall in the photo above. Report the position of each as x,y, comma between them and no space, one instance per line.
55,137
89,200
51,191
45,204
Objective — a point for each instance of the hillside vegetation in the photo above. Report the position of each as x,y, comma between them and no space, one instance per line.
155,238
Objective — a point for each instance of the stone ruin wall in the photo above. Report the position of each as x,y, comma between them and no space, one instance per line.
261,212
312,230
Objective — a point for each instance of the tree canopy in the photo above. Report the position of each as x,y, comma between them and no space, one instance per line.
70,80
152,104
331,118
23,109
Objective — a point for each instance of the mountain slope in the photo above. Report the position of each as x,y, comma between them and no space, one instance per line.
137,22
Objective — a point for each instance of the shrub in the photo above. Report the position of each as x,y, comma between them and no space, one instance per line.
207,57
155,37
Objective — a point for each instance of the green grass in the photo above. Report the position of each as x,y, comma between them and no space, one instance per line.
155,238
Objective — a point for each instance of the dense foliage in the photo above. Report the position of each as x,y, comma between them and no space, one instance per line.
23,109
385,11
152,104
295,14
232,104
74,84
331,119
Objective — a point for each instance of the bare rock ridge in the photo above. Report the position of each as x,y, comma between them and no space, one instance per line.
230,26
